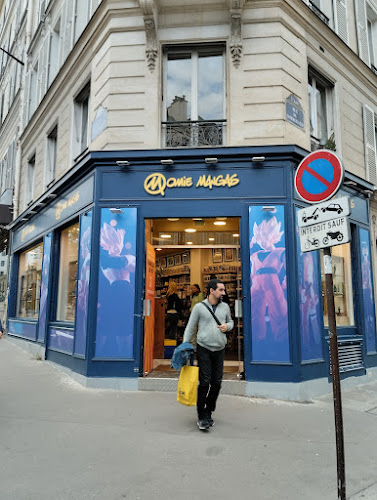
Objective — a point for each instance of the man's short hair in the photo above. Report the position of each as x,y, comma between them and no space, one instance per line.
213,284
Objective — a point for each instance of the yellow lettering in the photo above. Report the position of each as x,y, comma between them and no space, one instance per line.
27,230
234,180
171,182
155,184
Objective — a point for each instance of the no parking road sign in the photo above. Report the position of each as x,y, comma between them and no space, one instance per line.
319,176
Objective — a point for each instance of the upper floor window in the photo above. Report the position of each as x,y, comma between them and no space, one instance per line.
52,140
194,95
321,112
29,185
54,55
370,141
81,121
82,16
372,34
41,10
33,90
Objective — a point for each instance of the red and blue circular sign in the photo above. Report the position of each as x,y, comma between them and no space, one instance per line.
319,176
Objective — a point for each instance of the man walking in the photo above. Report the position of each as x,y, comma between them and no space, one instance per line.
213,320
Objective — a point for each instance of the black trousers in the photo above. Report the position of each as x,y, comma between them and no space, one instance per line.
211,365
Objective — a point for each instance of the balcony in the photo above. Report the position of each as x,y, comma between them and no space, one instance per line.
193,133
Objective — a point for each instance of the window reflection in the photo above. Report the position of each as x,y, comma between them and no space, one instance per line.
68,274
179,89
29,282
194,103
211,91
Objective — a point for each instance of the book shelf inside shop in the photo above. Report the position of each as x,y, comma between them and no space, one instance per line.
186,275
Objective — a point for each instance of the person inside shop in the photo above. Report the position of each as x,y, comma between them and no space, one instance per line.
196,296
213,320
173,309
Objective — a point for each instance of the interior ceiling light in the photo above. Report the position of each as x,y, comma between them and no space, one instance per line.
190,230
211,239
158,249
235,235
173,219
189,242
220,223
197,218
165,236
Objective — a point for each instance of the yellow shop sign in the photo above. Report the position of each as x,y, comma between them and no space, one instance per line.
157,183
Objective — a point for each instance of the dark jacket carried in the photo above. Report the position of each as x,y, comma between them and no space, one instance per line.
181,355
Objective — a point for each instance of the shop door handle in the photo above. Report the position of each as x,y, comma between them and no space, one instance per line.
147,308
238,308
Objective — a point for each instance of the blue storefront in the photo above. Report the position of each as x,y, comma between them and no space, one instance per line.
77,285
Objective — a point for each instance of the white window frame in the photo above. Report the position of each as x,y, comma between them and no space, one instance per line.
330,108
54,53
371,19
29,184
194,50
82,17
33,90
80,140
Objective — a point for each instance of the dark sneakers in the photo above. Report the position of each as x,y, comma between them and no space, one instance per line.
210,421
203,424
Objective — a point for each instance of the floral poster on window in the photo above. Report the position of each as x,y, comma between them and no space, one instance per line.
309,302
116,284
83,283
269,310
367,285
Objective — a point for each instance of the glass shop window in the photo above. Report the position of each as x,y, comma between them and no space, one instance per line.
29,282
69,250
343,289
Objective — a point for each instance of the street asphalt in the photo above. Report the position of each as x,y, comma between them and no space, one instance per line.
61,441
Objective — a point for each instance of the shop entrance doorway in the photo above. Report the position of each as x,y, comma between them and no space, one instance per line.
182,255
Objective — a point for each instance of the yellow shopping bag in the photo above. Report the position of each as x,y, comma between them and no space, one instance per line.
188,385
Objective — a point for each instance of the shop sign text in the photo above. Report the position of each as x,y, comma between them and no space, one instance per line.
157,183
63,205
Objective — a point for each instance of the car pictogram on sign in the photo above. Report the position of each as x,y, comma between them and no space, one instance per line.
333,207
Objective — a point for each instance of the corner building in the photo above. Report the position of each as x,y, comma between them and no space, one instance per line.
158,142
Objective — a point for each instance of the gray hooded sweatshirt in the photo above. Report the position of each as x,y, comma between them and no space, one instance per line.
209,335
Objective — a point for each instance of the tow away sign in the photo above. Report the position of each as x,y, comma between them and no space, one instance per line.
325,234
322,212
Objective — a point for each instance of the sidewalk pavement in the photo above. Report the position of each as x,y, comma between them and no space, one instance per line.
61,441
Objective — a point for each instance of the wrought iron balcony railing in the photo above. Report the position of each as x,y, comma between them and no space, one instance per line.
194,133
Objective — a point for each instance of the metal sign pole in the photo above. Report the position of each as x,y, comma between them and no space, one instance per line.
335,375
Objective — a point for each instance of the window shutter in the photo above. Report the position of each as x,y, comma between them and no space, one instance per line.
95,4
370,144
26,100
62,34
341,19
43,64
66,28
362,35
